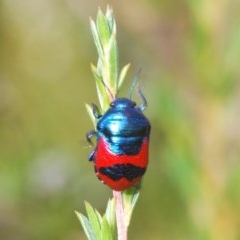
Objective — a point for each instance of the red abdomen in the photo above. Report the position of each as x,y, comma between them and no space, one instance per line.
120,172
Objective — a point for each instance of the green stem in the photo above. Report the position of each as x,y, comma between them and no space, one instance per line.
108,81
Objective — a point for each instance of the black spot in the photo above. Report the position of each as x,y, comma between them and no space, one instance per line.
118,171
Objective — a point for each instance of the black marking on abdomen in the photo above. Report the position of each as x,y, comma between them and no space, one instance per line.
118,171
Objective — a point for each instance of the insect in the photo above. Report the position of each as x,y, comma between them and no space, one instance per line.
121,154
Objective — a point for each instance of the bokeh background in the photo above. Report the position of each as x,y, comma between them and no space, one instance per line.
189,52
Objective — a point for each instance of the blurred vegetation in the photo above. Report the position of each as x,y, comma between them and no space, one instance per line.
189,52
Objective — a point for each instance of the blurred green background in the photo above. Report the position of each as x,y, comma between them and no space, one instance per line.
189,52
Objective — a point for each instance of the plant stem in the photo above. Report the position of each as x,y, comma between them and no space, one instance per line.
121,223
108,82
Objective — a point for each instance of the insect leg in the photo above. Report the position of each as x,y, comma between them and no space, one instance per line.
89,136
91,156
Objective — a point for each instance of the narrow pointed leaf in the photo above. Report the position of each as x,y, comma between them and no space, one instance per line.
110,18
96,38
113,67
101,89
123,74
110,214
103,28
86,226
129,197
90,113
103,98
106,231
111,217
94,220
99,216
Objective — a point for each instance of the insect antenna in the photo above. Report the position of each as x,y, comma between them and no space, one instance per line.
143,106
135,80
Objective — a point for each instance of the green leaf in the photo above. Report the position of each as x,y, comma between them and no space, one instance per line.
96,38
94,220
86,226
111,216
129,197
110,18
113,60
106,231
101,89
123,74
103,28
99,216
90,113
